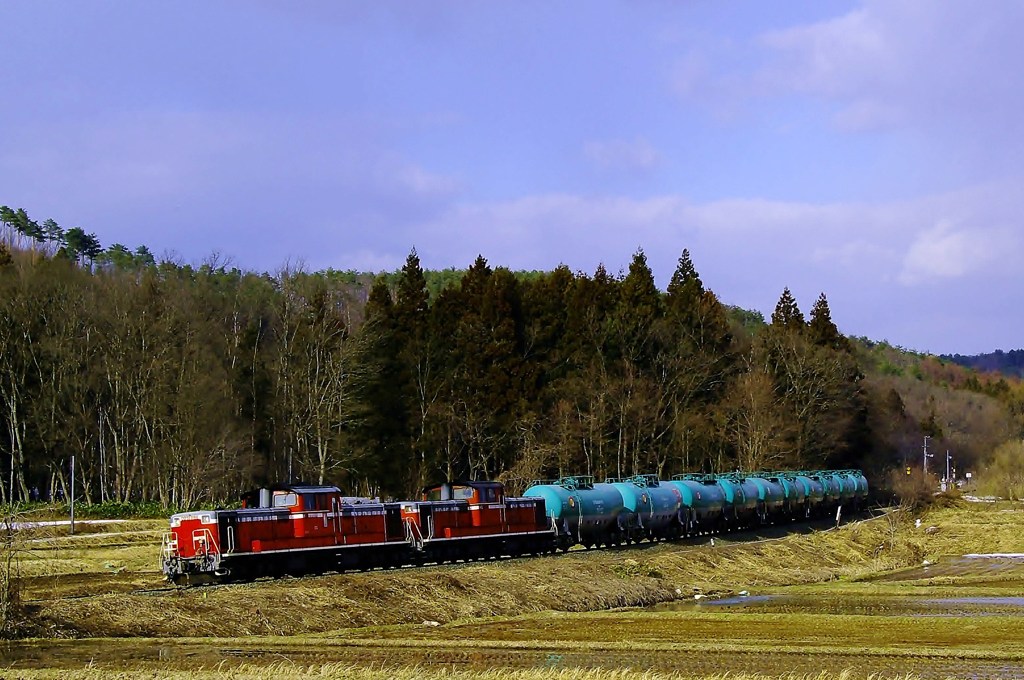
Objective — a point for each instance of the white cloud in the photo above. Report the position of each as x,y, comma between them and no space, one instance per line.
895,62
947,252
912,242
856,254
622,155
876,262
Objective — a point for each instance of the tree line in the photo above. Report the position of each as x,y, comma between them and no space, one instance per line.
187,385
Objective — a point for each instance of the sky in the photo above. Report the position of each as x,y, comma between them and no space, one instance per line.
872,151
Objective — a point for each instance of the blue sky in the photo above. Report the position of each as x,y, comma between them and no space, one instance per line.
869,150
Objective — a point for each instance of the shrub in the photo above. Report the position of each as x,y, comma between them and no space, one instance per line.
10,591
1004,474
916,489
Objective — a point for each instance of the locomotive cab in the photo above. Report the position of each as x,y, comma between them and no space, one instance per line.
293,498
472,492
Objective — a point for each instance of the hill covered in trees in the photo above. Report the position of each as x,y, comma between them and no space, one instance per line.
1006,363
189,384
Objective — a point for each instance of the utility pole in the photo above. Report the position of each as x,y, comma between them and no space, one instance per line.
924,461
949,459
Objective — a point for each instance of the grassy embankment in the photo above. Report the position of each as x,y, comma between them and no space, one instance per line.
288,671
845,599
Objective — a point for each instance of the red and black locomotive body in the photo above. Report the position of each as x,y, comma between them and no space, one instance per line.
307,529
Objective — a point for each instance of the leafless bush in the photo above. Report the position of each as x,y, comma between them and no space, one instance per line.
1004,474
916,489
10,590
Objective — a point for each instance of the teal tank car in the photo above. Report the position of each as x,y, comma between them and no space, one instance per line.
794,499
838,489
580,511
814,490
650,509
583,512
795,505
859,483
833,489
770,493
703,502
848,488
740,507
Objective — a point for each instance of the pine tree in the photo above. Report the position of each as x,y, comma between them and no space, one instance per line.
787,314
821,330
685,288
639,308
696,317
411,298
384,421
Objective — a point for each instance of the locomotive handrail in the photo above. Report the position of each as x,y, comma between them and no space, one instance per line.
169,545
413,535
204,537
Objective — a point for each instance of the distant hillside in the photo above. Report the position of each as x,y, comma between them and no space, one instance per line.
1007,363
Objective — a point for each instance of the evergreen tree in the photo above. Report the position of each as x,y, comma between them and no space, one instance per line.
821,330
695,315
787,314
420,366
685,288
693,367
53,232
638,310
384,419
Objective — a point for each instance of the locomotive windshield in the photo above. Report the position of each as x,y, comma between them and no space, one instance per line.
284,500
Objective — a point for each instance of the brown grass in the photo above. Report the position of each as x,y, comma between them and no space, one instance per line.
286,671
576,582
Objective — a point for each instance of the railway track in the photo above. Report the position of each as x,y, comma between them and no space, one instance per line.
108,583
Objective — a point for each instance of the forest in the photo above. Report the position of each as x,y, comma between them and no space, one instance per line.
1007,363
188,385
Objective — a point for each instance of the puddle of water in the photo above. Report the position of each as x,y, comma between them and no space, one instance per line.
997,601
966,565
739,599
878,605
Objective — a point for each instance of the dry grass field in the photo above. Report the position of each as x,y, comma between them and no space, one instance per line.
880,596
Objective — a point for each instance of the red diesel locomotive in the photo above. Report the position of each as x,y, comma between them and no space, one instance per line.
309,529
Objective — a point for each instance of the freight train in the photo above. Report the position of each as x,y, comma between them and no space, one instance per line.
304,529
